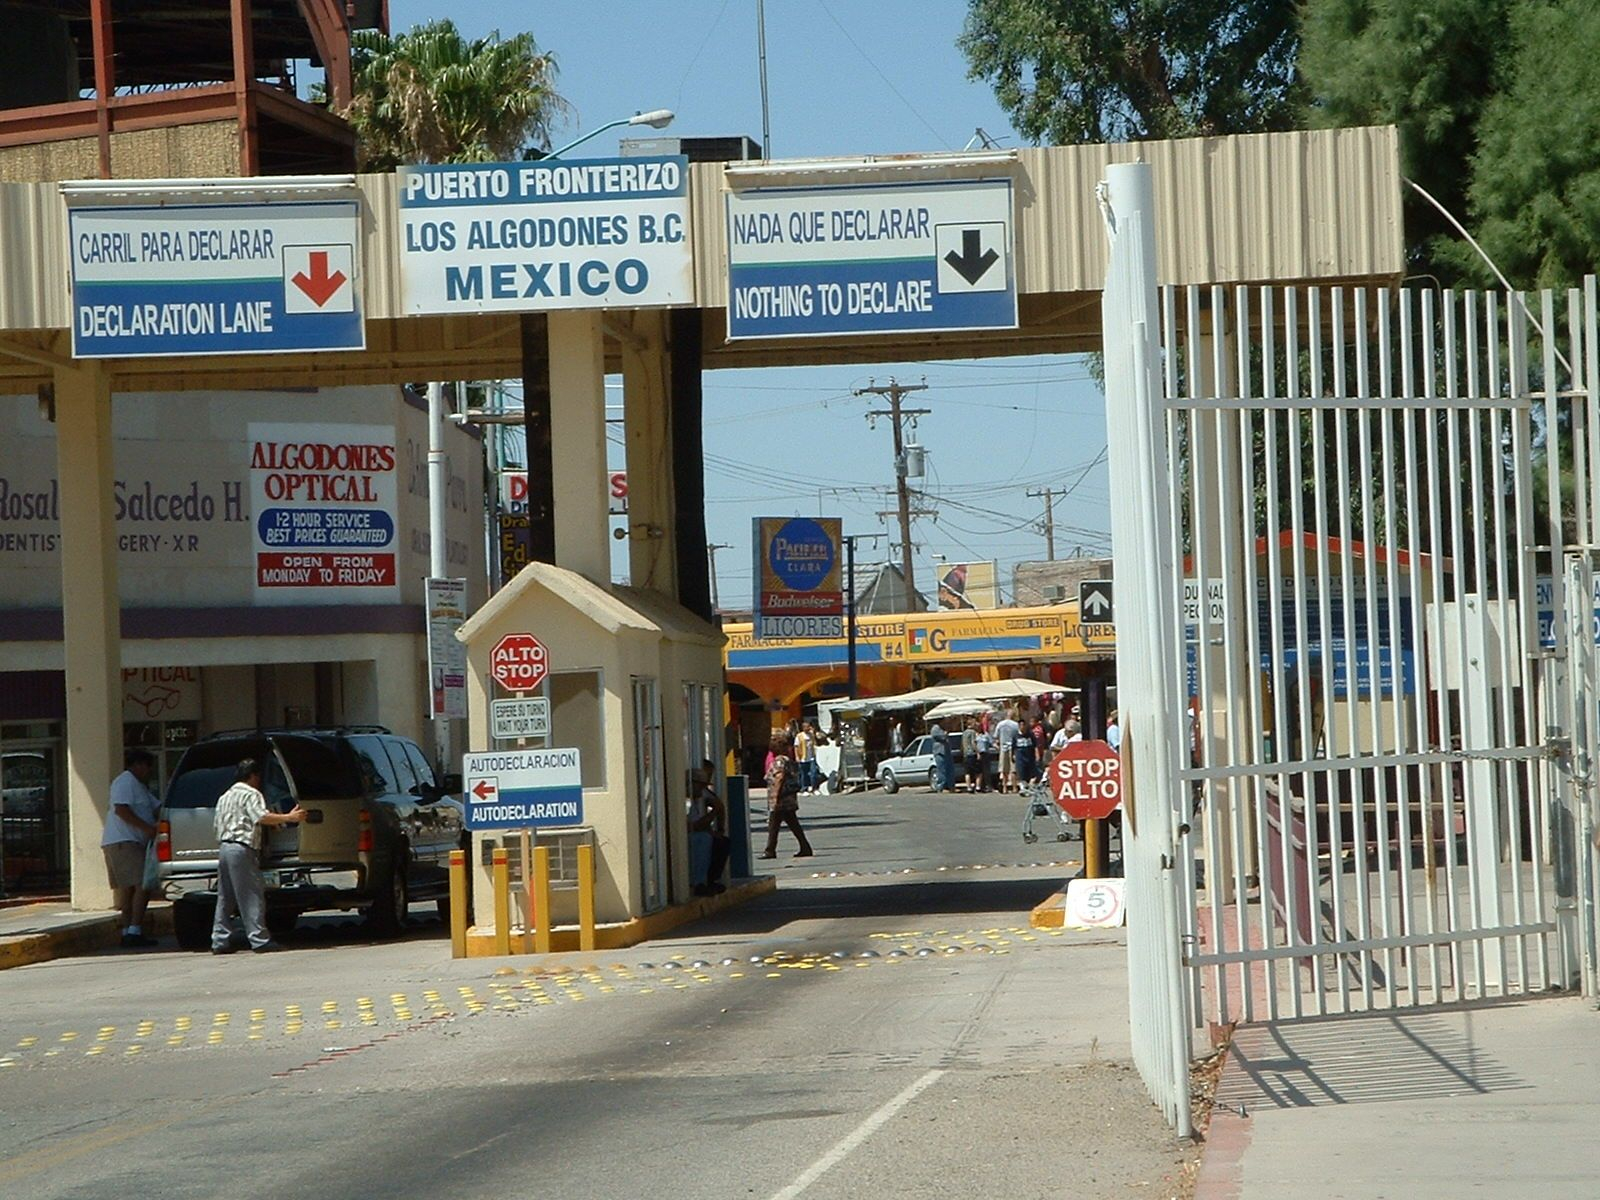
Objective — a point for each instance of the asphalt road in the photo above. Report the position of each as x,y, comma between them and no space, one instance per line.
884,1024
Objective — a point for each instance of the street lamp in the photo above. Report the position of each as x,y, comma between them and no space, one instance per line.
658,118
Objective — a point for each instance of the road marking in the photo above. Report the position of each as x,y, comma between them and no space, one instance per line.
847,1145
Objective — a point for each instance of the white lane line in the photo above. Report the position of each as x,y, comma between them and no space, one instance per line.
846,1146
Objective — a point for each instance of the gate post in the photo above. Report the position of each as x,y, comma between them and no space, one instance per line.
1148,677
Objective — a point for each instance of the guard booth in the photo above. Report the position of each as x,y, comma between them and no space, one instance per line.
634,683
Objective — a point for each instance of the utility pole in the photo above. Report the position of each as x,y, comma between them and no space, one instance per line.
896,412
1049,520
711,554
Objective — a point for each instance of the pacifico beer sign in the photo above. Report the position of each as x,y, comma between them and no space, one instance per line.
799,582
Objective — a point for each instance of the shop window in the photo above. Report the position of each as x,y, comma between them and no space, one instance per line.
166,740
577,720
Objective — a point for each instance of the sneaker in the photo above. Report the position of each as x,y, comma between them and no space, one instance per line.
266,948
139,940
222,949
768,854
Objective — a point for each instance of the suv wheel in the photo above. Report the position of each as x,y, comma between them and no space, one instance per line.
394,897
891,785
191,922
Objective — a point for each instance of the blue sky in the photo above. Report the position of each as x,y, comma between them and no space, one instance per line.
845,77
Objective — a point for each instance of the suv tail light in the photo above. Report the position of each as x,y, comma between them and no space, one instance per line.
364,838
163,841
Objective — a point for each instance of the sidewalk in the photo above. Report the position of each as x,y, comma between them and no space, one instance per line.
31,933
1421,1105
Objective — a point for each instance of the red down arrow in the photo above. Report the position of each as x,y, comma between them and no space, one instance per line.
319,286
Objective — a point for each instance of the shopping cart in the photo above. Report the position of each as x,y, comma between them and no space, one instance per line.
1042,804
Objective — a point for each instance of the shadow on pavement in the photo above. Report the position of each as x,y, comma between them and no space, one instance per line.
1360,1059
1014,898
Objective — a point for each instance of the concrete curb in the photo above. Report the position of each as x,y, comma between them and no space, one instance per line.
564,939
1050,913
80,937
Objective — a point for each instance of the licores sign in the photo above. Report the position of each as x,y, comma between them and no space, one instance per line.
323,501
533,236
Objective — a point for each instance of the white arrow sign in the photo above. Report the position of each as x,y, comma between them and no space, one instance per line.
1095,601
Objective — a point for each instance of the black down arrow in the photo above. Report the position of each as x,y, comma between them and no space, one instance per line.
970,264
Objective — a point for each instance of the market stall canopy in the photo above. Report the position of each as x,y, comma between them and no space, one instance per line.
982,692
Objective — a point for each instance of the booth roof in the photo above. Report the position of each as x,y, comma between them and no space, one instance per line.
613,608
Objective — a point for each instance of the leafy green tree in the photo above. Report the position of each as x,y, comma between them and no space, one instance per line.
432,95
1426,66
1070,71
1535,186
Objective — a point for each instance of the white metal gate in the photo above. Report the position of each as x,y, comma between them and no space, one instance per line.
1359,608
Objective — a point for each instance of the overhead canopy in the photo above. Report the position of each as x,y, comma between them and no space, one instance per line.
982,693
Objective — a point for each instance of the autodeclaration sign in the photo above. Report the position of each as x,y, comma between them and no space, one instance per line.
919,257
799,592
522,237
523,789
150,280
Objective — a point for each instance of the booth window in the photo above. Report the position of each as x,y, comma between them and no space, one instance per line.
577,720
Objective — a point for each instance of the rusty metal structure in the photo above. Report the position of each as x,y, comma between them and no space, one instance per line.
174,88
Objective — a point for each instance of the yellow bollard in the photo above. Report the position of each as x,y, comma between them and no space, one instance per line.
458,904
502,902
1093,832
541,899
586,897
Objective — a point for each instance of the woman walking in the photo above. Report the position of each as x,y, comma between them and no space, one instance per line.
783,797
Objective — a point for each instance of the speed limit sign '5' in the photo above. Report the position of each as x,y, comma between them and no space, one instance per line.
1086,780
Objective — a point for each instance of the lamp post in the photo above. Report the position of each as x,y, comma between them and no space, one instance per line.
658,118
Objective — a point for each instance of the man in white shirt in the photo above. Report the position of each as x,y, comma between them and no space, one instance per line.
241,816
1006,733
130,824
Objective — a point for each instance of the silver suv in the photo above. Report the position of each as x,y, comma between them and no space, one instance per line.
378,832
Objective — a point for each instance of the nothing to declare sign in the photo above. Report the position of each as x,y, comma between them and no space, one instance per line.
523,789
532,236
158,279
875,258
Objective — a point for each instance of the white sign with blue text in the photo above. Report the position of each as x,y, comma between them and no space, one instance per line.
263,278
532,236
874,258
523,789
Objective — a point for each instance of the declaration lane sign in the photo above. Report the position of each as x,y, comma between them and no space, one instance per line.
874,258
523,789
1086,780
519,662
166,279
534,236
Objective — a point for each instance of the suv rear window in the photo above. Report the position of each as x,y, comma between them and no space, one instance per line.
209,768
323,768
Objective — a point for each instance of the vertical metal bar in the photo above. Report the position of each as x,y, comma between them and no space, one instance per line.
1579,416
1407,450
1251,603
1228,502
1591,393
1557,527
1336,778
1297,524
1280,701
1438,594
1362,414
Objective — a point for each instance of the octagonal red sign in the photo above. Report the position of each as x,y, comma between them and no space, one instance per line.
519,662
1086,780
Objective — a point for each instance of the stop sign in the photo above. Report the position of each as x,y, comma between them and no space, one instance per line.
519,662
1086,780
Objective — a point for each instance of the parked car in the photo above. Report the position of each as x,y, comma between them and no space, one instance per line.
378,832
913,765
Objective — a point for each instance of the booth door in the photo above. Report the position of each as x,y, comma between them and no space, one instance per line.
651,791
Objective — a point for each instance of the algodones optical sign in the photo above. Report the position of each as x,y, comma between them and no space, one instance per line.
799,591
322,503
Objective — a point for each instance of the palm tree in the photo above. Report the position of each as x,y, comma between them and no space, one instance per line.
432,95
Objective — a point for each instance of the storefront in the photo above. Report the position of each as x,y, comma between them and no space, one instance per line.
272,548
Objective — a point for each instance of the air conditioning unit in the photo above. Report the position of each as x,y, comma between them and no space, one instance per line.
1054,591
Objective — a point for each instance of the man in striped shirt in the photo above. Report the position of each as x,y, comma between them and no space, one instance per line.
241,816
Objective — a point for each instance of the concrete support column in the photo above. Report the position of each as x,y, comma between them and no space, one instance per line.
647,400
90,617
578,443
